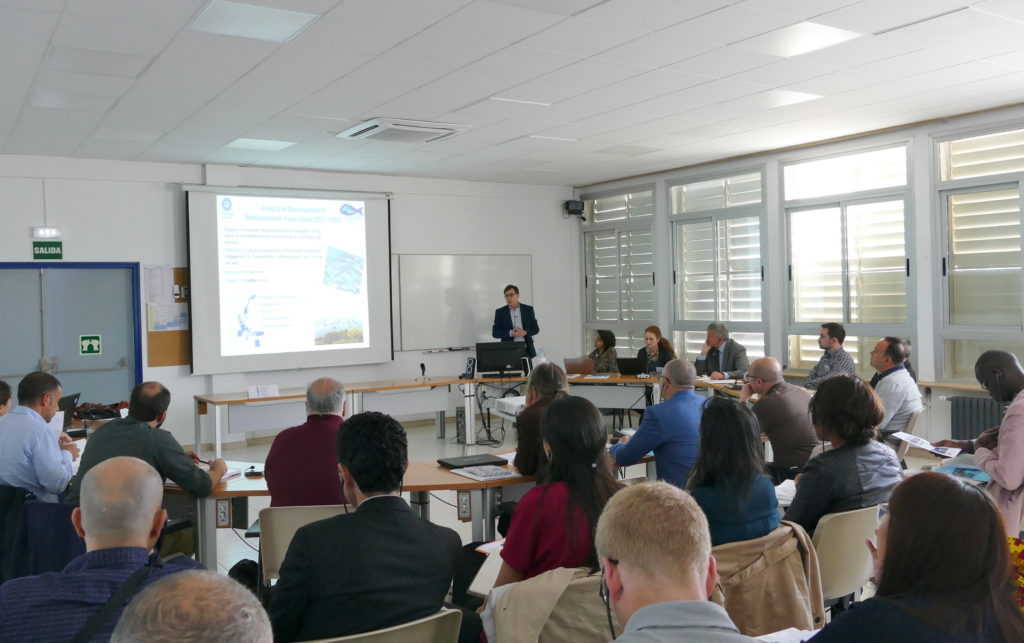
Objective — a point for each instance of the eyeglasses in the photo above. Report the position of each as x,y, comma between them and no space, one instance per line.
510,294
606,599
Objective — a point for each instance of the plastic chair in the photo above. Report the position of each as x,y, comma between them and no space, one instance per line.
901,450
843,558
442,627
277,528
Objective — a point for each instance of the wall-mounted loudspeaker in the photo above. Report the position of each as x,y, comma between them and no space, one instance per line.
574,207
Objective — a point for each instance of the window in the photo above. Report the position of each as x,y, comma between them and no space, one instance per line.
619,258
848,258
717,268
979,191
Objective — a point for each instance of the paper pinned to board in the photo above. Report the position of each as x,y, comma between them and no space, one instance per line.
921,443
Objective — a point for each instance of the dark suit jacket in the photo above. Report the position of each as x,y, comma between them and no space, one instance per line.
377,567
664,357
734,361
503,326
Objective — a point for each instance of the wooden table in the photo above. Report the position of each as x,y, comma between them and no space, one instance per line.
422,394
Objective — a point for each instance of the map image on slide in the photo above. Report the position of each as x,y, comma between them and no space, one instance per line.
293,274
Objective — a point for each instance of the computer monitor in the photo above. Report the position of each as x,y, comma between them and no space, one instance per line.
68,404
500,357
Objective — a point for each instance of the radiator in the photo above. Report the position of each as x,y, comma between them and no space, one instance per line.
969,416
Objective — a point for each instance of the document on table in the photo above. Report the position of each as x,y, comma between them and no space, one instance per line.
598,376
788,635
232,473
921,443
491,547
571,376
487,472
510,457
785,492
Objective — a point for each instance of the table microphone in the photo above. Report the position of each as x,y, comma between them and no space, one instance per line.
423,369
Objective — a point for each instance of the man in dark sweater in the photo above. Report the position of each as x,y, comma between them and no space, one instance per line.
139,435
301,468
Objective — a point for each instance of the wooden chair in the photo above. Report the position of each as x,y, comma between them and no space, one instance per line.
442,627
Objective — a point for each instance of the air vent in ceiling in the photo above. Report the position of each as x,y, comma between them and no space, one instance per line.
397,130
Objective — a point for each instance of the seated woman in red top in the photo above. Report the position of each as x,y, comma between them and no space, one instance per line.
553,525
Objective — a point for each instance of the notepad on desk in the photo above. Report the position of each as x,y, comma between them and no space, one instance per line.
597,376
486,473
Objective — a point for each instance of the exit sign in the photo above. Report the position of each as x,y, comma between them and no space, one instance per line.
47,250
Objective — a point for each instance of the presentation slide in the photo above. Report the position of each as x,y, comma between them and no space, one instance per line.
283,281
292,275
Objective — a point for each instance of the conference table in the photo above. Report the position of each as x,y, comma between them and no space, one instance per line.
416,395
420,480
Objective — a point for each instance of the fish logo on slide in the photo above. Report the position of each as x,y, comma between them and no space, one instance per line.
349,210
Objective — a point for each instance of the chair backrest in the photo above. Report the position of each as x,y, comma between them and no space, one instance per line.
843,557
442,627
901,450
278,526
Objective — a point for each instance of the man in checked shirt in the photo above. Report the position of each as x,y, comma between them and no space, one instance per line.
835,361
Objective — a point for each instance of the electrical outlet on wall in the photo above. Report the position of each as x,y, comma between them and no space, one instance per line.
224,512
465,513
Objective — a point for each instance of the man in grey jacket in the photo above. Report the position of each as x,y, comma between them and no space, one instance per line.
655,550
895,387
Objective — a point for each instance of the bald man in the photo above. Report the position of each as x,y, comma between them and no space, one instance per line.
139,435
999,451
782,410
120,519
301,468
671,429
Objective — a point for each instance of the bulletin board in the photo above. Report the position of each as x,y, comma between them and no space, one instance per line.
170,347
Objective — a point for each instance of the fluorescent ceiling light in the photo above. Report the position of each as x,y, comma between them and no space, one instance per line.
260,144
554,138
522,102
797,39
45,233
251,21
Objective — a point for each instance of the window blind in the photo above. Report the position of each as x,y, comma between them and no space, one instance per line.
985,155
620,207
620,275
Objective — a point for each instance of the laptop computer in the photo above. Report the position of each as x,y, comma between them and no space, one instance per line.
631,366
479,460
68,404
578,365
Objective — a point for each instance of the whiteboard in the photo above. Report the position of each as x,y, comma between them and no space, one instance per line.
449,300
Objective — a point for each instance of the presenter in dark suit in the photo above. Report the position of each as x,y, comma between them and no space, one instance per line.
376,567
722,358
515,322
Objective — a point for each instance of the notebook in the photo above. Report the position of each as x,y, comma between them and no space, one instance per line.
579,365
479,460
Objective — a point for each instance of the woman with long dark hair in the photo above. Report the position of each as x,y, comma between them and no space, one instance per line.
657,350
728,480
943,570
606,359
859,471
553,525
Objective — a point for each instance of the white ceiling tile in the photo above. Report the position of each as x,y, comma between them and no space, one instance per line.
999,38
963,73
836,82
50,131
498,22
883,91
607,98
724,61
649,15
593,72
289,126
874,16
860,51
521,63
694,97
560,7
581,37
90,61
157,13
803,9
106,149
64,100
116,37
407,13
27,25
392,73
77,83
150,110
784,72
658,81
424,104
615,120
729,25
478,83
576,131
966,23
1011,9
333,37
21,53
913,63
36,5
656,50
301,80
1013,59
318,7
443,49
545,89
349,100
226,52
230,156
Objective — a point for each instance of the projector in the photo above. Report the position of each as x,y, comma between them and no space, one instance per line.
511,405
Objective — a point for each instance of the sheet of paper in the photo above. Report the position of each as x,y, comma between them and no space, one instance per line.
264,390
598,376
77,462
491,547
56,423
162,317
572,376
788,635
509,457
159,284
921,443
785,492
